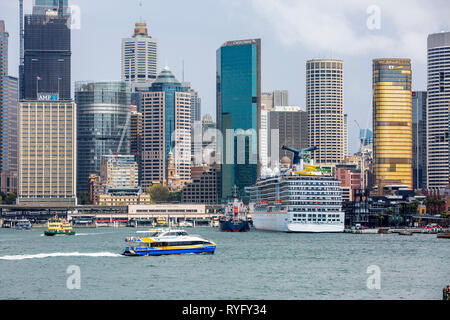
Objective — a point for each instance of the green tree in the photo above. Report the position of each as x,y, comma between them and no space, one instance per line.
174,197
11,198
83,197
158,193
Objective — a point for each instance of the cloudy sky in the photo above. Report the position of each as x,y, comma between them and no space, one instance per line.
291,31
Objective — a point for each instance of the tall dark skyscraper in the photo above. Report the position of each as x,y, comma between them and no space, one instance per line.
8,119
419,134
238,112
47,56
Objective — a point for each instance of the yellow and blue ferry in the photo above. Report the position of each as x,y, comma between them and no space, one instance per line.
167,241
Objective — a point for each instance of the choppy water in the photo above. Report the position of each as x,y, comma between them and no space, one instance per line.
252,265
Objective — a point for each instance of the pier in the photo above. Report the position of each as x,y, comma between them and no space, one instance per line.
120,216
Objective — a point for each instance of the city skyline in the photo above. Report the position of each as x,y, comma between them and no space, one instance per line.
280,51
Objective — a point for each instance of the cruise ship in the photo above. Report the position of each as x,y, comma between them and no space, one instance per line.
297,198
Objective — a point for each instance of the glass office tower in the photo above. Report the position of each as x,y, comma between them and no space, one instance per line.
47,57
103,117
392,124
238,112
419,130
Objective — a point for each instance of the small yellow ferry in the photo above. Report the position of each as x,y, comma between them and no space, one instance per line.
161,222
58,226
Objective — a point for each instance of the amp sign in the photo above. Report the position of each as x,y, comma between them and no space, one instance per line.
47,96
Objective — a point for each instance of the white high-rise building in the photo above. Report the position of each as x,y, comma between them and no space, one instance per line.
139,57
438,104
325,107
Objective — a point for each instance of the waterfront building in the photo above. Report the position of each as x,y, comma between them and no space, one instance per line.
139,58
292,125
47,153
125,197
350,177
238,85
392,124
438,97
166,127
96,187
119,171
47,57
103,116
325,108
419,143
204,186
8,119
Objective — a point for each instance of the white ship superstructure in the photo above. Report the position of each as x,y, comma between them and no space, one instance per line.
298,199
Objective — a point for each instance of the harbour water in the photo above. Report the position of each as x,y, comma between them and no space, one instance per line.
248,265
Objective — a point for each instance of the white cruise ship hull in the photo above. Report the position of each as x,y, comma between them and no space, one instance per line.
270,221
279,222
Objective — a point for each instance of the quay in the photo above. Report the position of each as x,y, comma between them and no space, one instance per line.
91,216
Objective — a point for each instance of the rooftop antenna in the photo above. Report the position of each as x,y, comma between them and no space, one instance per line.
140,10
183,70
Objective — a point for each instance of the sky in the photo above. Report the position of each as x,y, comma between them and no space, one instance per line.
291,32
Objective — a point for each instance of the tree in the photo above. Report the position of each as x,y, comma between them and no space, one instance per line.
10,198
84,199
174,197
158,193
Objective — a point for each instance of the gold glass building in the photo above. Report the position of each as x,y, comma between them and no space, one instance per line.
392,124
47,152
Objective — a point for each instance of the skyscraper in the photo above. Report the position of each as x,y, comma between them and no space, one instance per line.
136,136
325,108
280,98
40,7
275,98
419,134
47,56
103,128
139,57
392,116
166,129
47,152
438,97
292,125
8,119
238,112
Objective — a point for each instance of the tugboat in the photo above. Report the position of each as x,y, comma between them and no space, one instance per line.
57,226
235,217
